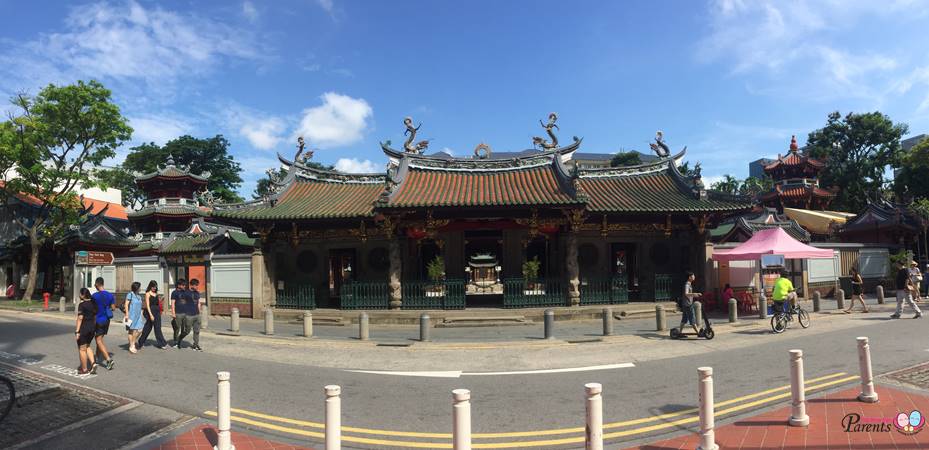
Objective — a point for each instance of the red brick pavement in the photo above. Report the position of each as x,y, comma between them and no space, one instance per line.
203,437
770,430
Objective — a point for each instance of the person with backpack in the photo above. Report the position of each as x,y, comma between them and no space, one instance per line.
84,333
904,287
106,303
686,303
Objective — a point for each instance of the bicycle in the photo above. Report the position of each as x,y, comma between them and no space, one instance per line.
781,319
6,385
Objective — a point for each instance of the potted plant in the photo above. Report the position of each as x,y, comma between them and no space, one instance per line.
531,275
435,270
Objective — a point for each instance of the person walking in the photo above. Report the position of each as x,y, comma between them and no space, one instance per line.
857,284
687,304
106,303
904,286
180,304
153,313
134,312
194,312
916,280
84,332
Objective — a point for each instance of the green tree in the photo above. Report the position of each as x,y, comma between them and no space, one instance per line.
623,159
202,155
729,184
910,181
753,186
857,150
55,139
262,187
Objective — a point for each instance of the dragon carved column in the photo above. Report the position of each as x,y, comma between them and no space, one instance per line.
395,268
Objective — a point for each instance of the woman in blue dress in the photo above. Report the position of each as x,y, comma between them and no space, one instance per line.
134,312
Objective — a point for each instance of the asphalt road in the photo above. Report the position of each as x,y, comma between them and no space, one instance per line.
184,380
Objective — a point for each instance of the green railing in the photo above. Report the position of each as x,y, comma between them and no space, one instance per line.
447,294
296,296
663,287
365,295
604,291
517,293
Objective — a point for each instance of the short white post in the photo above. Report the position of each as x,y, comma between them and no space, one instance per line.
461,419
798,417
307,324
333,417
868,394
205,317
705,389
61,305
224,437
594,437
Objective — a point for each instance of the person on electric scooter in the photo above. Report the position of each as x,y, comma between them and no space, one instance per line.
687,304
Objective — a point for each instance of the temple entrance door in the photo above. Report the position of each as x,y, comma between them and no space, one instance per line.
341,268
623,264
483,256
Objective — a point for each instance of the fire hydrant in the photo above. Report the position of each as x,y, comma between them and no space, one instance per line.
45,299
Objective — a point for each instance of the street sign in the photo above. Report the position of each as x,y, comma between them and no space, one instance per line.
86,258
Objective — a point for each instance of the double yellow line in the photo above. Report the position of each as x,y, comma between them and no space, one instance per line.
654,423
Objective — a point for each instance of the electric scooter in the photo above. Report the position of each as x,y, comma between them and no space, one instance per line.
706,332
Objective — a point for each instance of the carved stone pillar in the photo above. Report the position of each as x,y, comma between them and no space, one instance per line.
394,272
261,285
574,282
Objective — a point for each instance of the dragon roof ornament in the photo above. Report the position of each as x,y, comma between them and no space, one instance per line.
411,131
541,142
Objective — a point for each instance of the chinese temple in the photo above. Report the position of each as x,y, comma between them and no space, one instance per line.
594,235
170,203
796,182
883,222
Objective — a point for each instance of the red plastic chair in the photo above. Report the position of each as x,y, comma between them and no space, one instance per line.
747,302
709,301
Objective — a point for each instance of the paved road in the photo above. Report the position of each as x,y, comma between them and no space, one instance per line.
746,362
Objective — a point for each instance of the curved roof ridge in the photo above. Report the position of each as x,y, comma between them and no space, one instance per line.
397,154
330,176
658,165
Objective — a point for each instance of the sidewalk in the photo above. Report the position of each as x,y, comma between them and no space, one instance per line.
826,430
202,436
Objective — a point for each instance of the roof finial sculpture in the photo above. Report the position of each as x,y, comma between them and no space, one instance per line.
170,161
793,143
408,146
536,140
659,147
300,146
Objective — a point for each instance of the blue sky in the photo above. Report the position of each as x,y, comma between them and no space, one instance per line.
732,80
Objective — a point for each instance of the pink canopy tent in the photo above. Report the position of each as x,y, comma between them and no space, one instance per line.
773,241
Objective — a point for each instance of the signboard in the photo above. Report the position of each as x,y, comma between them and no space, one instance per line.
186,259
772,261
86,258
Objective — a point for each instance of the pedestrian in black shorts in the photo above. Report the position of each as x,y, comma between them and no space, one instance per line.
84,333
106,303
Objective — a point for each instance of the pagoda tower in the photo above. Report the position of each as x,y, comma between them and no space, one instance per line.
170,203
796,182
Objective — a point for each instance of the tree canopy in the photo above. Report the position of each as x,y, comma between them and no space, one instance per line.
857,149
48,147
202,155
622,159
729,184
910,182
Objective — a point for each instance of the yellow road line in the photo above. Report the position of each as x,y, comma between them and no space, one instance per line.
543,443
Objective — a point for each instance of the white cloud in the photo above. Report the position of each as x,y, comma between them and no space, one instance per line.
158,128
327,5
341,120
264,134
354,165
249,11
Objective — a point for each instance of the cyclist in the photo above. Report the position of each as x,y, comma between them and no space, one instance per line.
783,291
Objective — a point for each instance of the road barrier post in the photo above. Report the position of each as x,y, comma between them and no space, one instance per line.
333,417
363,333
62,307
762,306
698,314
798,417
307,324
839,299
733,310
223,412
707,433
880,294
594,435
661,321
423,327
234,320
817,298
607,321
269,321
549,324
461,419
868,394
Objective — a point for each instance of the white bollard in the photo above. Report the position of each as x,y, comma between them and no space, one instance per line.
461,419
333,417
798,417
705,388
594,437
224,423
868,394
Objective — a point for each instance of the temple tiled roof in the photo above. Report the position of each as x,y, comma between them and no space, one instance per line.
305,199
797,192
651,192
882,214
171,170
794,158
748,224
538,185
168,210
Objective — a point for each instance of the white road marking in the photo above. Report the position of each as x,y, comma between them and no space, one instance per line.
459,374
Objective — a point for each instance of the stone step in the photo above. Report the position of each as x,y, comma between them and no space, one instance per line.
482,321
